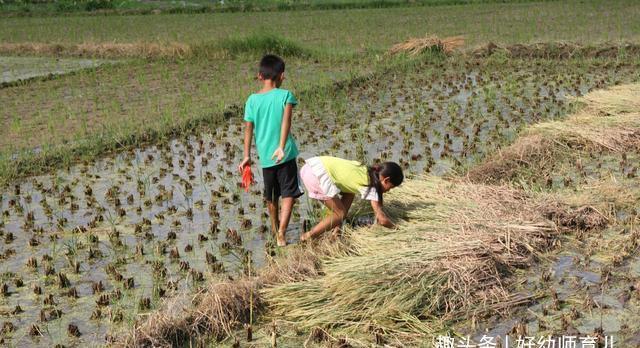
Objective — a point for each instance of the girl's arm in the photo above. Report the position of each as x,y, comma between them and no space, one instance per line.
381,217
248,136
284,133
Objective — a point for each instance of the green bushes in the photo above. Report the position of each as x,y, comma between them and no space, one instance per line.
264,43
94,5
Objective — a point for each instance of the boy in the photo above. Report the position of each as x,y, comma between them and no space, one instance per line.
267,114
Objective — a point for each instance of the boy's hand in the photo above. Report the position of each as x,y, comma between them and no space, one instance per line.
245,162
278,154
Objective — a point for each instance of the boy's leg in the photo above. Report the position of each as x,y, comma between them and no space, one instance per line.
289,190
271,196
285,216
272,207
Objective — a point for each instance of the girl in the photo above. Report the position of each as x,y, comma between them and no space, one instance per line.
325,177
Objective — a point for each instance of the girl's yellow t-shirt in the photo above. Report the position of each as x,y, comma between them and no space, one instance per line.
349,176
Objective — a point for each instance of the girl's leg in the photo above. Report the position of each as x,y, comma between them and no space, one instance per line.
347,200
338,208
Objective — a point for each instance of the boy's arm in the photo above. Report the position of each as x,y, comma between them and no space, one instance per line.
248,136
284,133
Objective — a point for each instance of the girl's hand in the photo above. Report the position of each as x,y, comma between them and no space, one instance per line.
384,221
245,162
381,217
278,154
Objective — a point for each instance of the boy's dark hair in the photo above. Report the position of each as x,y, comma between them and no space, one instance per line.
271,66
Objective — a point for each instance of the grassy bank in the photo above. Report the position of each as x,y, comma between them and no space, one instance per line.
451,258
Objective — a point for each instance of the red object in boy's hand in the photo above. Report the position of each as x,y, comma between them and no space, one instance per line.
247,177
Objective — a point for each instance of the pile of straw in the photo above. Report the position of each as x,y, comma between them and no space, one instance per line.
415,46
446,262
213,314
609,121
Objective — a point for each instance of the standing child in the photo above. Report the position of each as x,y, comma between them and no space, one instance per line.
267,115
325,177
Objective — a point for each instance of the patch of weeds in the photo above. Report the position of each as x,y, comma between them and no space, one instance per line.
263,43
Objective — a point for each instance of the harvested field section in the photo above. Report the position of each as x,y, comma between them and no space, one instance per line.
608,124
152,223
102,50
591,286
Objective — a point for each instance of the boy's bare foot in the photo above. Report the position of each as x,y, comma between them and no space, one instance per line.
281,241
304,237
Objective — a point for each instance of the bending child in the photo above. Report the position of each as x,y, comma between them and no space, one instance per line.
267,115
335,181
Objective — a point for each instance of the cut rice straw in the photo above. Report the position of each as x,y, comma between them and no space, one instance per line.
415,46
608,121
446,261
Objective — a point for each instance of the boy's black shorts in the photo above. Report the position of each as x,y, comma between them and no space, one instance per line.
281,181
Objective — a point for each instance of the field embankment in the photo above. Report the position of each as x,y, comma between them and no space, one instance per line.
453,256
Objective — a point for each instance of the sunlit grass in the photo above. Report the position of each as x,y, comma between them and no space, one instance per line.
351,30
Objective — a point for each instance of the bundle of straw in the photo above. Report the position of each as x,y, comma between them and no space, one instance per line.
416,46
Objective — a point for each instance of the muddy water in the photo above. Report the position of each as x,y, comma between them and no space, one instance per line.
591,286
100,243
24,68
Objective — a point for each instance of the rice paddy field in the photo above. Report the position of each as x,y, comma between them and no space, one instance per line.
123,221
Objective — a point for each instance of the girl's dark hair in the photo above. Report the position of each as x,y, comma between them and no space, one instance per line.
390,170
271,66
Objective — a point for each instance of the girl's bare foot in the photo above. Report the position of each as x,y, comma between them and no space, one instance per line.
335,233
281,241
304,237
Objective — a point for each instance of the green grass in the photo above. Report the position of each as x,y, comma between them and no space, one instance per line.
263,43
119,7
353,30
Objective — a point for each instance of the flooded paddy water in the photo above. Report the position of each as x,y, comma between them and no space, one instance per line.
16,69
587,290
88,249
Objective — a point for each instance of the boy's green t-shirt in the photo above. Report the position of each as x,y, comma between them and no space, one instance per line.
265,111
